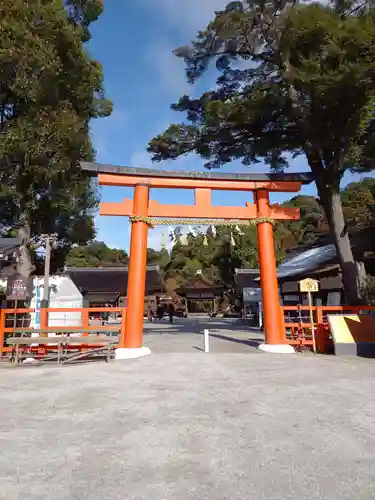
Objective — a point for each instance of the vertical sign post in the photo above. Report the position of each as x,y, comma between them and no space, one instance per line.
37,305
260,314
17,289
310,286
206,341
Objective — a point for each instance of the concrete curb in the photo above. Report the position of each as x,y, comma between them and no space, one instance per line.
124,353
276,348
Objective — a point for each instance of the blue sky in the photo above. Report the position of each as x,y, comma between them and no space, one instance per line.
134,40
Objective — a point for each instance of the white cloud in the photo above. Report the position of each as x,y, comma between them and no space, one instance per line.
102,131
157,238
119,115
141,159
169,68
188,16
185,17
100,145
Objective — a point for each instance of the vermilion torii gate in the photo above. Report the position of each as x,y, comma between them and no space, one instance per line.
144,213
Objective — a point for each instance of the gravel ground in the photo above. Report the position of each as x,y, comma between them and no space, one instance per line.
182,424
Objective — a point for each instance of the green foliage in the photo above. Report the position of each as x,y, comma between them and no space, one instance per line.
358,199
310,66
219,258
294,78
96,254
50,89
215,256
157,257
82,13
312,224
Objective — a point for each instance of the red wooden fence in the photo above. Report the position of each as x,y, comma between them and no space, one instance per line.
299,329
296,319
12,321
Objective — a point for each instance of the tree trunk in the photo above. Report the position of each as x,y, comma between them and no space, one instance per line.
24,265
331,202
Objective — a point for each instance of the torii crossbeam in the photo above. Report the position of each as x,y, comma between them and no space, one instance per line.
144,211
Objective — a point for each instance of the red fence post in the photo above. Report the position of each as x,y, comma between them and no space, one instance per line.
43,318
2,333
85,321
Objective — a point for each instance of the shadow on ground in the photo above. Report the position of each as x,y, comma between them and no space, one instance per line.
227,335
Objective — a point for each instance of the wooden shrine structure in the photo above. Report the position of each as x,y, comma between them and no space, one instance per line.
145,213
200,289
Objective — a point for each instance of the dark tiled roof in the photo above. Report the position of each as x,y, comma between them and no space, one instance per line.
248,272
296,265
246,278
306,261
200,284
8,246
96,168
110,280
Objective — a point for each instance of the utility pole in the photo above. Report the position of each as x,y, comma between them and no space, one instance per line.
49,241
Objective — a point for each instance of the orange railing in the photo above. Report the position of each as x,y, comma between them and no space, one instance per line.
15,321
299,328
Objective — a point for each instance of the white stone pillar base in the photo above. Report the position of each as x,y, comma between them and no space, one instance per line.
125,353
277,348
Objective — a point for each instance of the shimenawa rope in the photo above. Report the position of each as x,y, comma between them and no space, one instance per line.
151,222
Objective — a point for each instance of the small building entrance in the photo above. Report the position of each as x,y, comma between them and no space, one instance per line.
201,295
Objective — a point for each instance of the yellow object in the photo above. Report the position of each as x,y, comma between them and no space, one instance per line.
309,285
352,328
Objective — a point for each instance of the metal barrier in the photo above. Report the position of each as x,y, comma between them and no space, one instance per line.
15,321
298,325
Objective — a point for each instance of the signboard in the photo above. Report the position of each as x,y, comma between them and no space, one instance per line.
309,285
17,287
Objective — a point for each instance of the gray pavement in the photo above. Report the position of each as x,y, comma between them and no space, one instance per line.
189,425
226,335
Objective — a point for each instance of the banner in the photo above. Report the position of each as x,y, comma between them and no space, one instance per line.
38,299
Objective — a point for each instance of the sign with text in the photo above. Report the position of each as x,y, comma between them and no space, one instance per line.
309,285
17,287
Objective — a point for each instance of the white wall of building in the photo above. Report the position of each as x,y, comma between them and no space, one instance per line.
63,294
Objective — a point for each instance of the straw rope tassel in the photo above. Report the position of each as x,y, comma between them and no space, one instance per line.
163,241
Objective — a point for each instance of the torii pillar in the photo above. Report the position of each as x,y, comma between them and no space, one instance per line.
273,321
131,337
141,209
